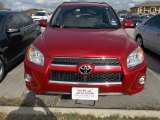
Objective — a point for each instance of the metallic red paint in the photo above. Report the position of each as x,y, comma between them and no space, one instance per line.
112,43
115,43
128,24
41,85
85,43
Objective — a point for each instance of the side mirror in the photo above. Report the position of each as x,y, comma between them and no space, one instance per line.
128,24
43,23
13,30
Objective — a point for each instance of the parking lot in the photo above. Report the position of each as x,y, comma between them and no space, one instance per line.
13,86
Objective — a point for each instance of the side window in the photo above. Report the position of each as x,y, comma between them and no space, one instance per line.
110,17
154,22
49,13
26,20
13,22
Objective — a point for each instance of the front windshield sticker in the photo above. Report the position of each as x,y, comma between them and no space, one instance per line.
113,22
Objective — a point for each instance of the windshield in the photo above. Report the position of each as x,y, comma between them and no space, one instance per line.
123,16
40,14
85,17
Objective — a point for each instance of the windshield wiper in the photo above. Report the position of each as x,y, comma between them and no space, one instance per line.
100,27
56,26
61,26
82,27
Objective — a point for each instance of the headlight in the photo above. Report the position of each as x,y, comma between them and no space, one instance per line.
35,56
135,58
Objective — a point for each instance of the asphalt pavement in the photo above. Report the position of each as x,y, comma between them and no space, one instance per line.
13,86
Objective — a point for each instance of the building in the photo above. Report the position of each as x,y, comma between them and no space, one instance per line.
152,7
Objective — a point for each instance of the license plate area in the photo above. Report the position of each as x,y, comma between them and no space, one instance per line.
84,93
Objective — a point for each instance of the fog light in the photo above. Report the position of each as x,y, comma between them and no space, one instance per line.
27,77
142,80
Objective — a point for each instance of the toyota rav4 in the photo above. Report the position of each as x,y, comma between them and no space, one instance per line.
84,51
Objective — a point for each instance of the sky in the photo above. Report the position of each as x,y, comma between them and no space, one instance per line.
52,4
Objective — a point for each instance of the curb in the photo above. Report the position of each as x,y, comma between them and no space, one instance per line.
95,112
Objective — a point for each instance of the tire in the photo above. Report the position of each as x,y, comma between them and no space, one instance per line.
2,70
139,41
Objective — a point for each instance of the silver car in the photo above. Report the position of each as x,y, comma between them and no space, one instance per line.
147,34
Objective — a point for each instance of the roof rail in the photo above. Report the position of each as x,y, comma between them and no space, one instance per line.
85,2
103,3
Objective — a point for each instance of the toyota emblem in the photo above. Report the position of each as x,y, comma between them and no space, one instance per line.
85,69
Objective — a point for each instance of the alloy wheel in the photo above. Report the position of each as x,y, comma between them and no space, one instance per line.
140,42
1,70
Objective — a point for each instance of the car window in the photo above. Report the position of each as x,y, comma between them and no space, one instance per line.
133,17
85,17
123,16
40,14
26,20
13,22
154,22
1,17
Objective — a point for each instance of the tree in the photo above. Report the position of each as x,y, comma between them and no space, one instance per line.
122,12
31,11
1,6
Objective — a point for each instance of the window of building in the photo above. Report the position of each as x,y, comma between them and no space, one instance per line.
146,12
157,8
152,9
146,8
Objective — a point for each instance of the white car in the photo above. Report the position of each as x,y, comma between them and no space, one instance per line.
122,18
41,15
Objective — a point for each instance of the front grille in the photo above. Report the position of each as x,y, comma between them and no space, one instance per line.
95,61
101,77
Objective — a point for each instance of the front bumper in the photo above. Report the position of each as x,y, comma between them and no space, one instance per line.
40,81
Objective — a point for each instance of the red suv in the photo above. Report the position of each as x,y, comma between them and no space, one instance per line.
84,51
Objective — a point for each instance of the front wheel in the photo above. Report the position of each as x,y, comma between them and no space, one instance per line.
139,41
2,70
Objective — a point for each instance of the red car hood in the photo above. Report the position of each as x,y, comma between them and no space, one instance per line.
85,42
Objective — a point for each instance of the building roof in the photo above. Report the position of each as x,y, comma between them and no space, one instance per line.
148,4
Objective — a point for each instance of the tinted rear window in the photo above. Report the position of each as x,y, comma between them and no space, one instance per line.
26,20
40,14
